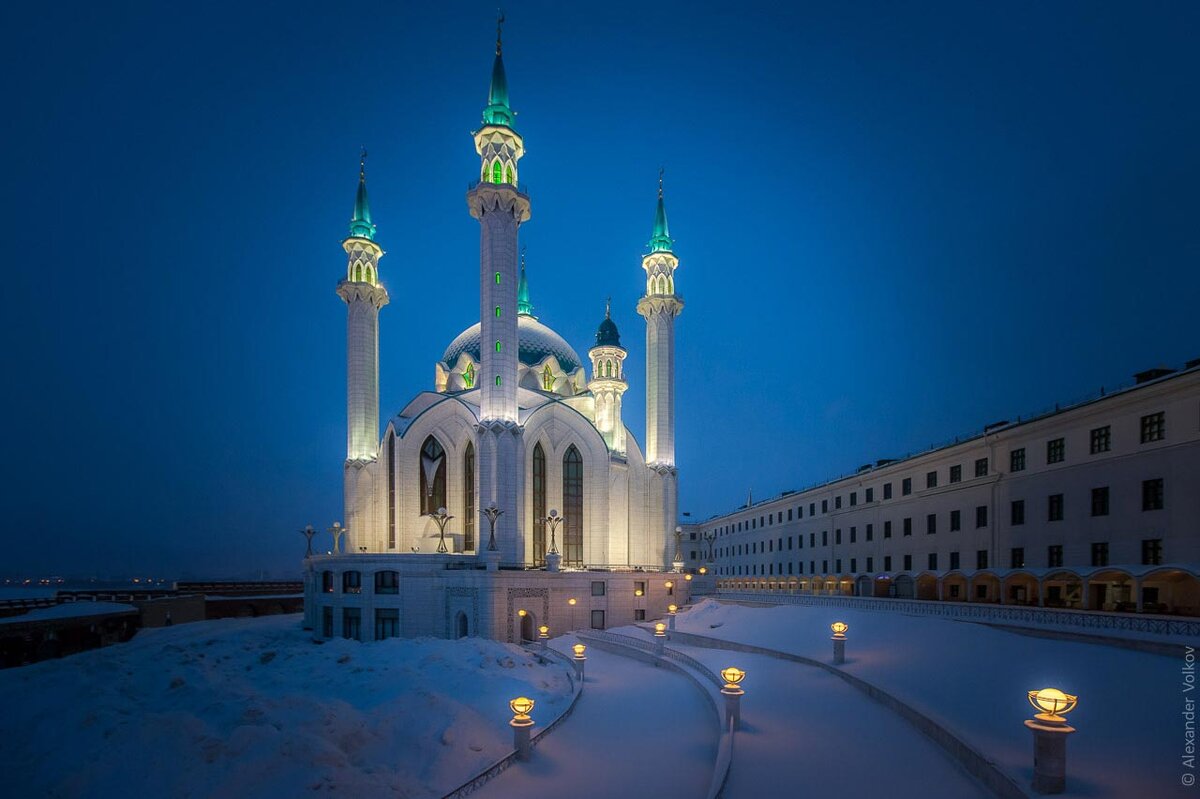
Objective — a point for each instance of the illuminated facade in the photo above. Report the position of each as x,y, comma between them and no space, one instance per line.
513,421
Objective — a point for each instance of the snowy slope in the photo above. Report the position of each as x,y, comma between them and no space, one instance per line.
253,708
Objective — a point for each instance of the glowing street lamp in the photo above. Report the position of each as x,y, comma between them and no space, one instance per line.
704,570
660,630
669,584
1050,731
579,659
672,608
733,695
440,518
521,724
543,633
687,577
522,613
579,649
671,615
839,641
660,638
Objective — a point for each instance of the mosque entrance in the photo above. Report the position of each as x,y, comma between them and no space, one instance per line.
460,625
527,627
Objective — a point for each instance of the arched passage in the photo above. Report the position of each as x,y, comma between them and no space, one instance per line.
460,625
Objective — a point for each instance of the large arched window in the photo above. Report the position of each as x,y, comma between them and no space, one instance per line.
469,375
469,498
497,175
539,505
547,378
573,507
433,476
508,175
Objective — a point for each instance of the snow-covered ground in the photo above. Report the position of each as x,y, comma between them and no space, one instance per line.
253,708
973,679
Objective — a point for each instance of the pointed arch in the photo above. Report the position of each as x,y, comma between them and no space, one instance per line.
433,476
572,492
547,378
461,627
538,505
468,516
469,375
497,172
370,276
508,174
358,273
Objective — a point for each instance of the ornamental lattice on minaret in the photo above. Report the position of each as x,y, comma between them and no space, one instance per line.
501,208
660,306
608,382
364,296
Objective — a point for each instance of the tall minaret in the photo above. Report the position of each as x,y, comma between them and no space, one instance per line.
608,382
660,306
500,207
364,296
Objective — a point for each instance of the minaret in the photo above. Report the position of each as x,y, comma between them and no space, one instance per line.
364,296
500,207
608,382
660,306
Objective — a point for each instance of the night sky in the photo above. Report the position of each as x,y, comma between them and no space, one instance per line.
896,223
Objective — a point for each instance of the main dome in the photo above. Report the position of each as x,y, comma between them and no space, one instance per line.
535,342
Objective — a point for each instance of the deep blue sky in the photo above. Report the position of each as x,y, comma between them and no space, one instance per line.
897,222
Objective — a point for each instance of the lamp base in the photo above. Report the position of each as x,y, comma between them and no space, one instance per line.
553,560
1049,755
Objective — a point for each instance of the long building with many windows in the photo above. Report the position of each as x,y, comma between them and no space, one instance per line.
1096,506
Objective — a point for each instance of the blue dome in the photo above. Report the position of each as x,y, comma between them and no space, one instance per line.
535,340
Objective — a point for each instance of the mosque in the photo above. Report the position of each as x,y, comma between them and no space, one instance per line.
511,495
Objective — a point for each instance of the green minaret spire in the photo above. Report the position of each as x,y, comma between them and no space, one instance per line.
660,238
498,111
361,224
524,306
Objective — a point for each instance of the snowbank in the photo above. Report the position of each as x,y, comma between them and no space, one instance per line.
253,708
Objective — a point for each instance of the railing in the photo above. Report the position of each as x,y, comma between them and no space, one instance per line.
1084,620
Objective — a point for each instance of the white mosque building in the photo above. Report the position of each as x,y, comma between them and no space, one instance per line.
518,431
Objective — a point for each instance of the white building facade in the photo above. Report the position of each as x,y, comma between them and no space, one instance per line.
514,422
1095,507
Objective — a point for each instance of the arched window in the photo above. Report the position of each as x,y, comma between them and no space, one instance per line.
497,311
572,507
497,175
469,498
497,278
433,476
547,378
460,625
508,175
358,273
469,375
539,505
370,276
497,346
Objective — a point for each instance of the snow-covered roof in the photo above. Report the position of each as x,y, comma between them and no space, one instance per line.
69,610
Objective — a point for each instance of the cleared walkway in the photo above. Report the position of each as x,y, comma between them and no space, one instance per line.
637,731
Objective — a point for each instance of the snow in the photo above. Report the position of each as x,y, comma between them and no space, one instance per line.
254,708
70,610
637,731
973,679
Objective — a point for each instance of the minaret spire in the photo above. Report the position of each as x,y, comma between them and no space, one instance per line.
361,224
660,237
498,111
524,306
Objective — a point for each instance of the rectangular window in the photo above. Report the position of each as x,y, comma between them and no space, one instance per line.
953,560
824,506
887,563
887,529
853,502
853,536
1101,439
1100,553
981,559
789,514
1018,558
981,467
837,536
955,521
639,588
906,486
1056,450
870,564
812,539
825,566
931,524
1100,501
1152,494
639,614
1054,508
387,623
387,582
933,561
1016,460
597,616
327,621
327,582
812,509
1054,556
1151,551
853,565
908,525
981,516
908,563
351,582
956,474
837,502
1154,427
870,534
870,498
824,538
597,588
352,623
790,542
931,479
1018,512
837,565
887,490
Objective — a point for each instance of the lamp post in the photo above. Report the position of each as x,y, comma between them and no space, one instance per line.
709,537
839,641
553,558
543,635
671,616
440,518
492,556
572,602
337,531
308,532
677,561
579,659
733,695
521,724
1050,731
660,637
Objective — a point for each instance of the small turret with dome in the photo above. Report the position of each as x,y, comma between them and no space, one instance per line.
608,381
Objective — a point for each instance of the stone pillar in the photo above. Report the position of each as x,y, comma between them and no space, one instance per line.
521,729
1049,755
733,706
839,650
